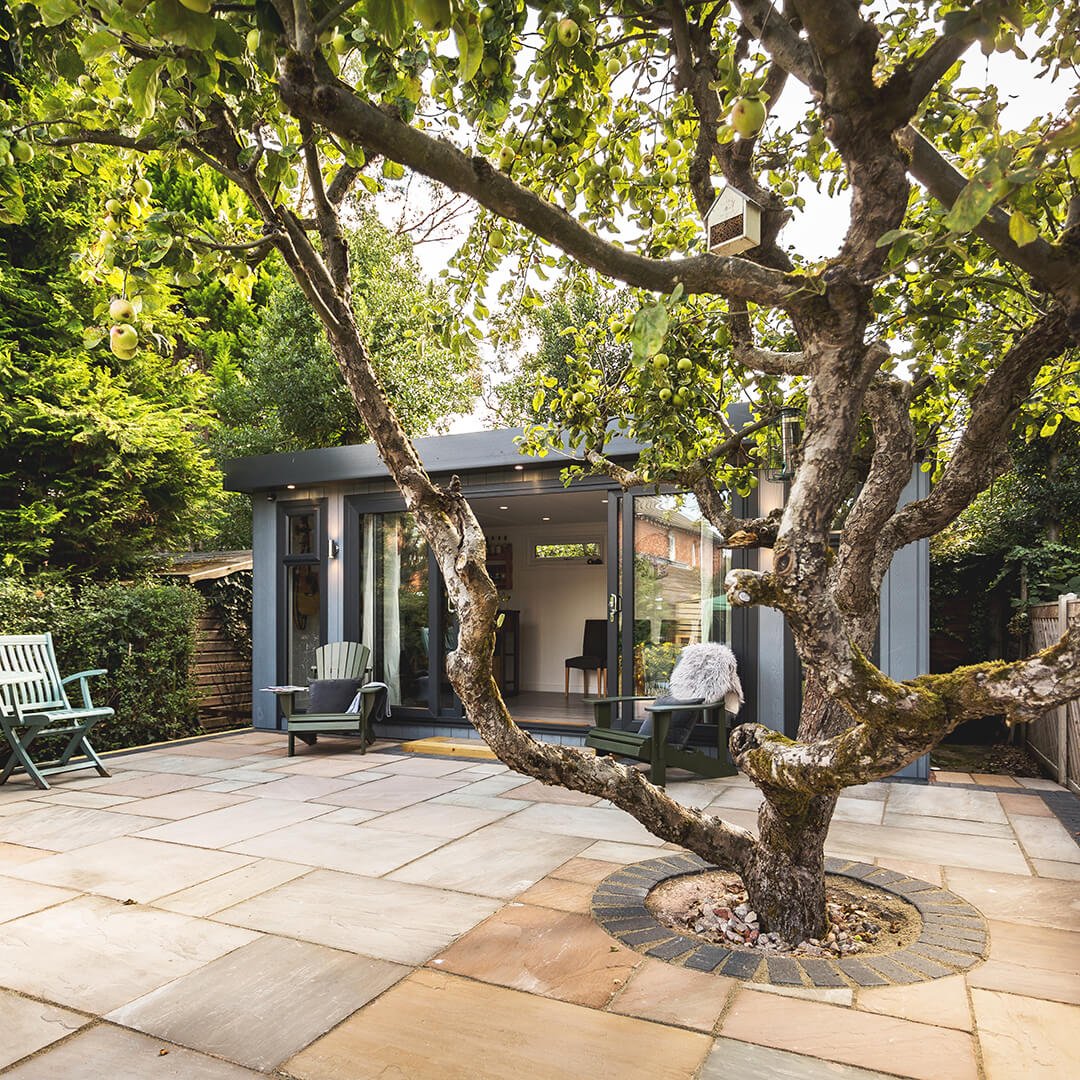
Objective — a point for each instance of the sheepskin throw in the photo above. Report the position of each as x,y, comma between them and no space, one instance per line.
707,672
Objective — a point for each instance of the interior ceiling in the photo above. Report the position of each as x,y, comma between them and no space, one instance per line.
563,508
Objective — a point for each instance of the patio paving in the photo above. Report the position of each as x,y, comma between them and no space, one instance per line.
219,911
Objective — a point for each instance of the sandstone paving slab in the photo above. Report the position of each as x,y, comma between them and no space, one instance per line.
552,793
28,1026
110,1052
438,1027
732,1060
324,766
496,861
867,811
611,851
97,799
1049,868
65,828
693,793
1026,803
588,871
1027,981
994,780
498,784
179,762
130,867
963,826
558,893
96,954
1040,947
593,822
391,792
225,785
670,994
353,849
429,819
481,802
262,1003
232,824
18,898
376,917
556,954
876,790
943,776
941,1001
299,788
1038,783
915,868
737,798
217,748
413,765
186,803
1046,838
831,995
243,774
867,1040
480,769
148,784
1014,898
232,888
14,854
945,802
1026,1037
952,849
349,815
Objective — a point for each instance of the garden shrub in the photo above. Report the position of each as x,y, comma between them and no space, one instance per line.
142,633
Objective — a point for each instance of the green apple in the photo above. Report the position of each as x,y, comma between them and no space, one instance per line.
665,394
143,187
114,207
22,151
748,116
685,364
339,42
433,14
568,33
85,82
579,398
787,189
506,157
241,270
548,146
109,222
617,173
613,67
486,13
121,310
660,360
659,215
490,65
107,237
254,40
201,6
668,177
124,354
439,85
497,239
123,336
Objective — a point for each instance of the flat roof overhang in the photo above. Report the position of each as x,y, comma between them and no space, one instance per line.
439,453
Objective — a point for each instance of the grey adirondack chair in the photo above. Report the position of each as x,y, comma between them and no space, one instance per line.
34,702
339,668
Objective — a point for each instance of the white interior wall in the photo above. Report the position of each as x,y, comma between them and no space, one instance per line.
554,599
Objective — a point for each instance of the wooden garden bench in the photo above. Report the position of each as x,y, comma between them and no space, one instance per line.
653,747
34,702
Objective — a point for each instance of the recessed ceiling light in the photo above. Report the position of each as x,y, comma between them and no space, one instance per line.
603,500
519,467
291,487
504,507
545,519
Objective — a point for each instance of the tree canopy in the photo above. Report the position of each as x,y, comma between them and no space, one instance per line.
598,134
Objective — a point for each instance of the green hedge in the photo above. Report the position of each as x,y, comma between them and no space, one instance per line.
144,634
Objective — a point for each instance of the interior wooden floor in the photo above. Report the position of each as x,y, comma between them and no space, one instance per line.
534,707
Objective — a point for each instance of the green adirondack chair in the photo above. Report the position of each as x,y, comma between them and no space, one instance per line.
653,747
337,660
34,702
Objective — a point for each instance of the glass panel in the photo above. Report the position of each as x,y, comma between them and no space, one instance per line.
679,571
305,609
302,533
395,605
447,697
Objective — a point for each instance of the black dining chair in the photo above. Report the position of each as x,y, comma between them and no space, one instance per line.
593,657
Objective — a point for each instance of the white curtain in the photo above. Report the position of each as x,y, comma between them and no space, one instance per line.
367,584
705,563
391,589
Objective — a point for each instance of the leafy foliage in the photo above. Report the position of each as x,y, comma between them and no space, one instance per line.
144,634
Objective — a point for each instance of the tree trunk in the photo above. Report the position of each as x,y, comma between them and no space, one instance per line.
785,873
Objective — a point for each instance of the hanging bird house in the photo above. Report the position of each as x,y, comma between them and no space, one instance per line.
733,223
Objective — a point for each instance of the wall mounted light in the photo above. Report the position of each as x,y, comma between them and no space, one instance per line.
271,497
519,468
334,549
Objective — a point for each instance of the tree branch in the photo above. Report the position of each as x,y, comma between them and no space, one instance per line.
781,41
1051,268
909,85
337,108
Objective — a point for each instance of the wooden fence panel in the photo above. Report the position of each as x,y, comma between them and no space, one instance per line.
1055,737
223,678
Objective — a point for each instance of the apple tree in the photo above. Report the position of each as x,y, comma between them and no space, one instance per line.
596,135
